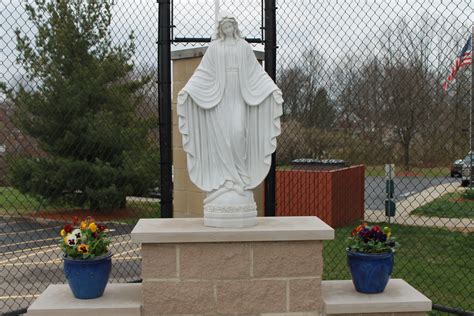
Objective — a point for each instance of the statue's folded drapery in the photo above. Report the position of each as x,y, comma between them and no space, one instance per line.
229,119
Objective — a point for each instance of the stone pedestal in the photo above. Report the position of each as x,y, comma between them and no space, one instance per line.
230,209
187,198
273,268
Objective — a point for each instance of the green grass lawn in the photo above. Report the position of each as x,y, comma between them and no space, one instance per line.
449,205
13,202
379,171
437,262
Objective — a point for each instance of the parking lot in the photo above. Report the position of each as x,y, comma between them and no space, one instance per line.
404,187
30,259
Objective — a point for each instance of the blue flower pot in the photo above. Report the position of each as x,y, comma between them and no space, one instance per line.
370,271
88,278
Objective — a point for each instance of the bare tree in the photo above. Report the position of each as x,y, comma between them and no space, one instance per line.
306,98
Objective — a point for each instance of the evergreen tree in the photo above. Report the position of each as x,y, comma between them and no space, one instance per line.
82,109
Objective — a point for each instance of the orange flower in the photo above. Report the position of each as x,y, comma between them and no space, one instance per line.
83,225
83,248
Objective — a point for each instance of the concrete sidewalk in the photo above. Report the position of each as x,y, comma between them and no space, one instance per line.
404,208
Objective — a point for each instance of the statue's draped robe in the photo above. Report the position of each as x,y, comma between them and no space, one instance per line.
229,118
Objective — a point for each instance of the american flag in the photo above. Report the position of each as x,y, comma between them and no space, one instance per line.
463,59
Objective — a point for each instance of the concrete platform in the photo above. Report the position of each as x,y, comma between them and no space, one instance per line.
118,300
192,230
340,297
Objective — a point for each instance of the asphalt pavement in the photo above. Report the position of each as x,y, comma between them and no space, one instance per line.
404,187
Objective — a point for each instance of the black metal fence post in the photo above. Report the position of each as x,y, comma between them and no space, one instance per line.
270,68
164,99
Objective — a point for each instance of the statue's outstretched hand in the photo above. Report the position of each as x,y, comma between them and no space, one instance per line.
278,96
182,96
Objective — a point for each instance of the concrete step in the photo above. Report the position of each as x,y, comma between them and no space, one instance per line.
399,298
118,300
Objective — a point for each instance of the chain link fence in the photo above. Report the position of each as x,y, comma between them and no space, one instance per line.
90,70
362,83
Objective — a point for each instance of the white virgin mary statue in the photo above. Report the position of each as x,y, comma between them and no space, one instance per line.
229,117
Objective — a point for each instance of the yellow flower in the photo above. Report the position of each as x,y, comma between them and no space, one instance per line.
83,248
83,225
93,227
387,231
65,240
63,233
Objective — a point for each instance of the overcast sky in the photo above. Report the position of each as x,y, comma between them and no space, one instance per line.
334,27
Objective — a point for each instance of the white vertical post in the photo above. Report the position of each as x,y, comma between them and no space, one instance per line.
216,9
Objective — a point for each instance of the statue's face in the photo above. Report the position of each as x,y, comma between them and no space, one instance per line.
228,29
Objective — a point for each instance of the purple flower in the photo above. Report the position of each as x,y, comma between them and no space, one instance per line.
364,233
380,237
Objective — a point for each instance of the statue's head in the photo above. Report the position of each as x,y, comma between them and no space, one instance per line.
227,27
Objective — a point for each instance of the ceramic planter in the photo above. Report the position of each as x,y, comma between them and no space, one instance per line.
370,271
88,278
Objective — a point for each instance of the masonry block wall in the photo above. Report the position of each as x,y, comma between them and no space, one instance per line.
236,278
273,268
187,198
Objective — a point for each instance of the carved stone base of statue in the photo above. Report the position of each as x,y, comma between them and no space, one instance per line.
230,208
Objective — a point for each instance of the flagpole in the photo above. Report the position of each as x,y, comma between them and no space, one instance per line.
471,128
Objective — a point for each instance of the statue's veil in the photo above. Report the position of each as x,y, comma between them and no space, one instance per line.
219,16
